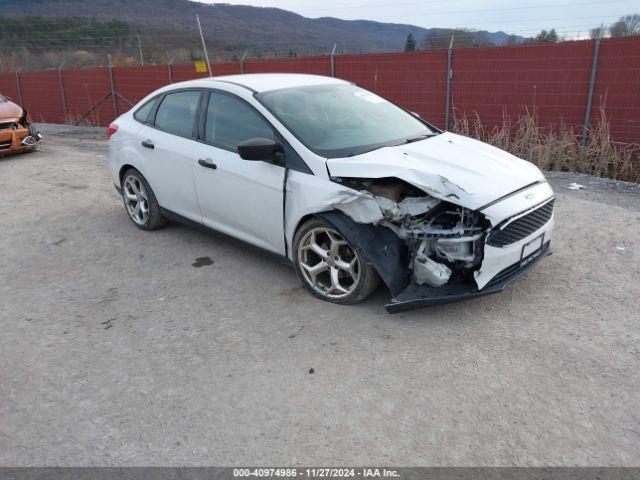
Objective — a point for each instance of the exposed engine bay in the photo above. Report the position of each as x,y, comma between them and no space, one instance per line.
445,242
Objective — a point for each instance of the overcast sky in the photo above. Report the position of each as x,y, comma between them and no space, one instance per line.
569,17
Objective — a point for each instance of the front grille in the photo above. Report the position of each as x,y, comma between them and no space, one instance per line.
5,145
6,125
521,227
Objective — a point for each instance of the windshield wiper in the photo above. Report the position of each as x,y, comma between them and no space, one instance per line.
353,154
408,140
419,137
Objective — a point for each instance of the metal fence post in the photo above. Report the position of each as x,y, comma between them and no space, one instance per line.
113,87
19,89
592,84
62,95
170,73
333,60
447,105
242,61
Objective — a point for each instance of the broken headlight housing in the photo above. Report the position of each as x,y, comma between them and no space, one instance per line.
445,241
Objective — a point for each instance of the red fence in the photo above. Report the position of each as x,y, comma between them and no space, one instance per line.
493,83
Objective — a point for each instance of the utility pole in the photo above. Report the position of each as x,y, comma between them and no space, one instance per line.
204,46
333,60
140,50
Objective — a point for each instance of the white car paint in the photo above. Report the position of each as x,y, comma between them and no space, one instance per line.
245,199
497,259
240,198
448,166
169,167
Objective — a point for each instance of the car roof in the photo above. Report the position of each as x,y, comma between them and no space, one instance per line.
264,82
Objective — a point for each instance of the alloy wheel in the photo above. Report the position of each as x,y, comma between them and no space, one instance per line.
135,199
328,263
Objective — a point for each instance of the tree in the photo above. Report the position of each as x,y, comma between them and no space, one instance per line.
440,38
546,36
626,26
410,44
512,40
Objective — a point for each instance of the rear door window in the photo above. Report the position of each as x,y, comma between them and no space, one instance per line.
177,113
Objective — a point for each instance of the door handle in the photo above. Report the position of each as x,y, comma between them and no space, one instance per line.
207,163
148,144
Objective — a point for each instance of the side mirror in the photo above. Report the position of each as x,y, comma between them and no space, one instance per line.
258,149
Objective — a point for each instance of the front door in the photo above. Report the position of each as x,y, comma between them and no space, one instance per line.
239,197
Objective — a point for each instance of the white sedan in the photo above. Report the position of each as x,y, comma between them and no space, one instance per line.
351,188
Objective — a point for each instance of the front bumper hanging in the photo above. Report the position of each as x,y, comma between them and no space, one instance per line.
417,296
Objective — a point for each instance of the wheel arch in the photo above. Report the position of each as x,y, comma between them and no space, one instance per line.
301,221
124,168
380,247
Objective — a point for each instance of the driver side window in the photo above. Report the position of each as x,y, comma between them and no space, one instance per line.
230,122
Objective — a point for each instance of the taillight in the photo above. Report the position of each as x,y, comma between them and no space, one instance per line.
113,128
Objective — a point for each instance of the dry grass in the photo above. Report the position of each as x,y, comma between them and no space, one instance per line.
558,149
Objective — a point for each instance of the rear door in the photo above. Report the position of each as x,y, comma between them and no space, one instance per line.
239,197
168,146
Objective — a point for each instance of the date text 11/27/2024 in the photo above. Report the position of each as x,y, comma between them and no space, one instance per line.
320,472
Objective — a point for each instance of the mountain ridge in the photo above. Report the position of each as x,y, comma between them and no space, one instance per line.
231,29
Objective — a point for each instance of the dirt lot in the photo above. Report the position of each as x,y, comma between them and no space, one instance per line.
116,350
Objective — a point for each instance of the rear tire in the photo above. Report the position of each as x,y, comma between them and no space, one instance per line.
140,202
329,267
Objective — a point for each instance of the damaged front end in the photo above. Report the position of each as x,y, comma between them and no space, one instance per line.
439,246
17,132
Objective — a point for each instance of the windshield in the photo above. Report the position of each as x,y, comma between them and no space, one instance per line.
342,120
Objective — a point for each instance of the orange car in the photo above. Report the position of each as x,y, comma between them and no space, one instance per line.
17,134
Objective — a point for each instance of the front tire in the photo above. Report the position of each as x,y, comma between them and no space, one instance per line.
329,267
140,202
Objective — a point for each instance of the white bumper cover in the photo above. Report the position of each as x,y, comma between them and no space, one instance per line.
496,259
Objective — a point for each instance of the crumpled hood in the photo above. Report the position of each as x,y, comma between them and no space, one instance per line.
9,111
448,166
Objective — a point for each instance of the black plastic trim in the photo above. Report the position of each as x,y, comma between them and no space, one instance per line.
416,296
519,226
380,247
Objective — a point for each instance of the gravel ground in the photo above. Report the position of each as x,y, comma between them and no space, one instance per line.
118,348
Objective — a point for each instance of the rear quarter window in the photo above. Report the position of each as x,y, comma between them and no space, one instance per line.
142,114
